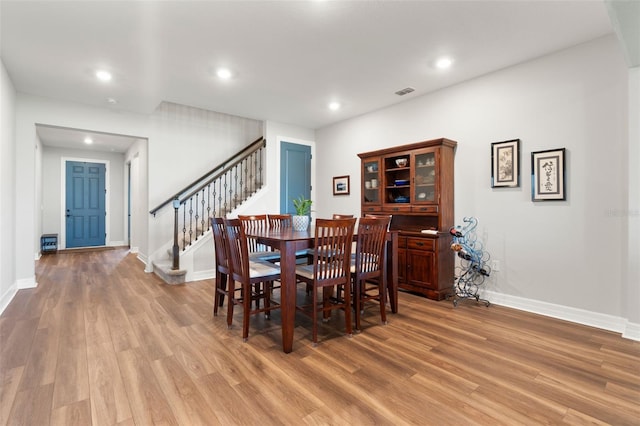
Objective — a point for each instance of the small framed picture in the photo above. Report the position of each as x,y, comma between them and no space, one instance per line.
341,185
505,164
547,175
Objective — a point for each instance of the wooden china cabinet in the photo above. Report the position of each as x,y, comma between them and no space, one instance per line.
414,184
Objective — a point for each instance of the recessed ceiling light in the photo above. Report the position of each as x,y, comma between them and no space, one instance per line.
224,73
443,63
103,75
334,106
88,140
112,101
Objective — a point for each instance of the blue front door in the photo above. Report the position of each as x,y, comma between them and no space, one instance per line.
85,204
295,174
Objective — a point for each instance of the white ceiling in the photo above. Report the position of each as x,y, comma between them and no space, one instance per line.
64,137
290,58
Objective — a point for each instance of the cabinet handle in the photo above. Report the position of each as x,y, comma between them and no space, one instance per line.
420,244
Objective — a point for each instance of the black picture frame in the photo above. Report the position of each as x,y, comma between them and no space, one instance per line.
505,164
548,175
341,185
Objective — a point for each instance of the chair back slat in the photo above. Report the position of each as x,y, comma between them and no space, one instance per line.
254,223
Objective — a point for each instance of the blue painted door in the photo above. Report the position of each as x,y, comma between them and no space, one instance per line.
85,204
295,174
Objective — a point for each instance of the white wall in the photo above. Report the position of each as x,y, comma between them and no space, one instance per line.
53,186
8,284
633,212
566,253
186,139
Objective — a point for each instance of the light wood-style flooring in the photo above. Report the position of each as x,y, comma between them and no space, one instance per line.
99,342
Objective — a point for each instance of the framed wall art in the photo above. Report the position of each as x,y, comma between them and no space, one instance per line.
505,164
547,175
341,185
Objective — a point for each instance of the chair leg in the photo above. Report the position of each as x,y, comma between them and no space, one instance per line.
257,287
230,302
347,313
218,296
327,292
315,317
383,302
357,302
267,299
246,311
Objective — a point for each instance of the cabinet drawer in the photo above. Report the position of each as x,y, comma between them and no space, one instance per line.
420,243
394,208
371,209
424,209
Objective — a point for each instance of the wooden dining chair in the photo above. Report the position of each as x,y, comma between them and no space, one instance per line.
330,269
223,275
309,252
368,266
249,274
279,221
258,251
222,264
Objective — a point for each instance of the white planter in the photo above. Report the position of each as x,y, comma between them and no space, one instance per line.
300,223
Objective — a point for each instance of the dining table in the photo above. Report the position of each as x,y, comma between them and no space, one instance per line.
289,242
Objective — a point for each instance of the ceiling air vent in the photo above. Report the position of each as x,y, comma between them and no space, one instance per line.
405,91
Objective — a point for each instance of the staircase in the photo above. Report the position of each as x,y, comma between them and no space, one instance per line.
217,193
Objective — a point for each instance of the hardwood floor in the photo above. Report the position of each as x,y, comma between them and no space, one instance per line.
100,342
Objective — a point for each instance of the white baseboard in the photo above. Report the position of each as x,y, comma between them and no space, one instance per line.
8,296
11,292
27,283
631,331
148,267
204,275
142,258
593,319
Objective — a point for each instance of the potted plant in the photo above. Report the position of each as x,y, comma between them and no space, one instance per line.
301,218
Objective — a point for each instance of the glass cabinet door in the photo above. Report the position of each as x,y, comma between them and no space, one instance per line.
371,181
425,188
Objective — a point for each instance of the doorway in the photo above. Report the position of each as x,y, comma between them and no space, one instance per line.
85,204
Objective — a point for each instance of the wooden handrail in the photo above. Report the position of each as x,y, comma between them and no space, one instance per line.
179,195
